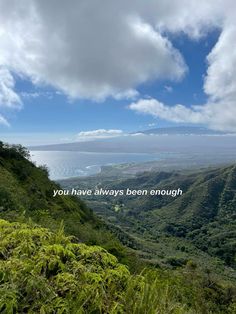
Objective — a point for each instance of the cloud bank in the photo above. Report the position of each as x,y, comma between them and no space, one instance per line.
87,49
98,49
99,133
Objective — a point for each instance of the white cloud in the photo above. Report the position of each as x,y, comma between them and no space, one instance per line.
168,88
8,98
219,112
177,113
3,121
86,49
93,49
216,115
137,134
99,133
152,124
30,94
37,94
220,81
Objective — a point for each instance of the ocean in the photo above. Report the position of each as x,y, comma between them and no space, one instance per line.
165,150
67,164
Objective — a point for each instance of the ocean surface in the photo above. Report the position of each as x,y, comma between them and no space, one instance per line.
67,164
87,158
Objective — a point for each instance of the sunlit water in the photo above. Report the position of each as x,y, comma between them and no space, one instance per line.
195,150
63,164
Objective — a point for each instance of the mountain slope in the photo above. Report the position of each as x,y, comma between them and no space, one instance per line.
202,220
42,270
27,193
205,214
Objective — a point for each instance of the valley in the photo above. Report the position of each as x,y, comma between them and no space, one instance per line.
113,254
166,230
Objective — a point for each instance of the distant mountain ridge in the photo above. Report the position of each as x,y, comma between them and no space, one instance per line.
183,130
134,142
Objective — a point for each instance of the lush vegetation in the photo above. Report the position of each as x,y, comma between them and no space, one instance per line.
45,272
199,225
26,192
55,254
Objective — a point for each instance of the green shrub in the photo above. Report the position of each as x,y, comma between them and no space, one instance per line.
45,272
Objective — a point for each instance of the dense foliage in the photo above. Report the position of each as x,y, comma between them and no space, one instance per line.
201,222
45,272
26,192
42,272
45,269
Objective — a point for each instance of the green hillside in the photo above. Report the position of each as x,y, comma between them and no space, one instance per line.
199,224
55,253
26,193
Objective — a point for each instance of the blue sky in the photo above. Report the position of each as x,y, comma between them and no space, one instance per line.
67,117
47,102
